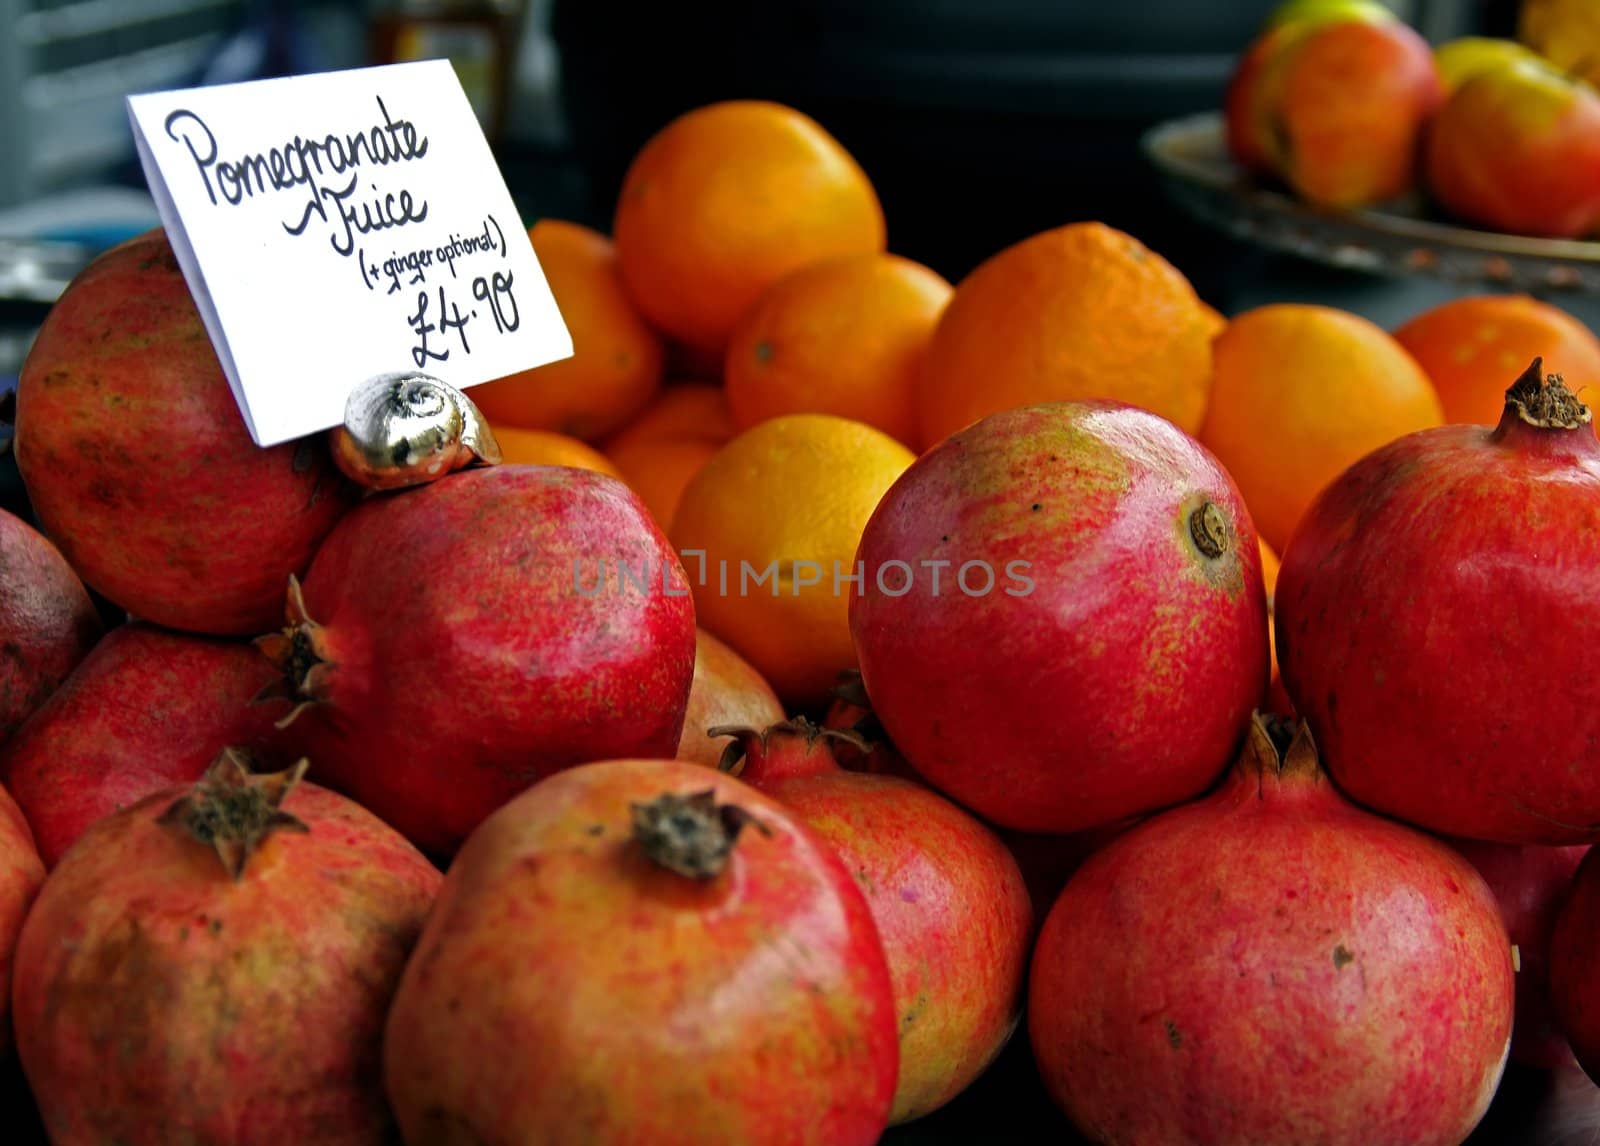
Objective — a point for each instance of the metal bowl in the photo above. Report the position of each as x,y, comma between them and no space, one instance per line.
1400,239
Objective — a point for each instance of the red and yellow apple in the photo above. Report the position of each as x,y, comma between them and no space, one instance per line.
1517,148
1460,60
1334,101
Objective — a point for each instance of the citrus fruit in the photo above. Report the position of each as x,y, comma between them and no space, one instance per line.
778,513
660,450
616,361
1083,311
1565,32
1299,393
1473,347
844,337
543,448
726,200
688,410
658,469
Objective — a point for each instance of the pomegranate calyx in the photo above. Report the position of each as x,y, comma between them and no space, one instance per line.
691,834
1544,401
297,651
233,809
746,737
1280,747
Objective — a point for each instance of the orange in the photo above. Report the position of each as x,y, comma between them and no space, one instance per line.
726,200
616,361
1474,348
1566,32
693,409
660,450
844,337
1083,311
1300,393
658,469
778,513
543,448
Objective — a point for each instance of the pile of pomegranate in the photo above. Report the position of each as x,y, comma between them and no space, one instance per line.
370,823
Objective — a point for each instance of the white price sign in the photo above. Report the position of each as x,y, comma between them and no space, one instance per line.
341,225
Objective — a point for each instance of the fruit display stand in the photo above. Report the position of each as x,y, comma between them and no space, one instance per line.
421,757
1399,239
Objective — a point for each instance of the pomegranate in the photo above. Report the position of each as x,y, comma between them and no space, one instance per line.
1530,884
1574,954
726,690
146,710
454,643
214,963
951,907
139,464
47,622
644,971
1273,965
1435,612
21,874
1101,585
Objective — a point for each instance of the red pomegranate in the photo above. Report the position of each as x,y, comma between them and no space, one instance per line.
726,689
1101,586
644,971
139,464
147,709
1272,966
456,642
47,622
21,874
951,907
1529,883
214,964
1574,962
1435,614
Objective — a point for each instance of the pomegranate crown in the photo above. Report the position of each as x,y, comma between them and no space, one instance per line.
690,833
299,653
747,738
1278,746
233,809
1544,400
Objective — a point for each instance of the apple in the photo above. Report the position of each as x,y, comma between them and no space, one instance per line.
1257,81
1334,102
1517,149
1460,60
1324,11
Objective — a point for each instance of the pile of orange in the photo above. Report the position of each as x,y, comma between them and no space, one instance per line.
755,364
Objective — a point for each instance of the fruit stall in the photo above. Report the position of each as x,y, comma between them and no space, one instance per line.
514,643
